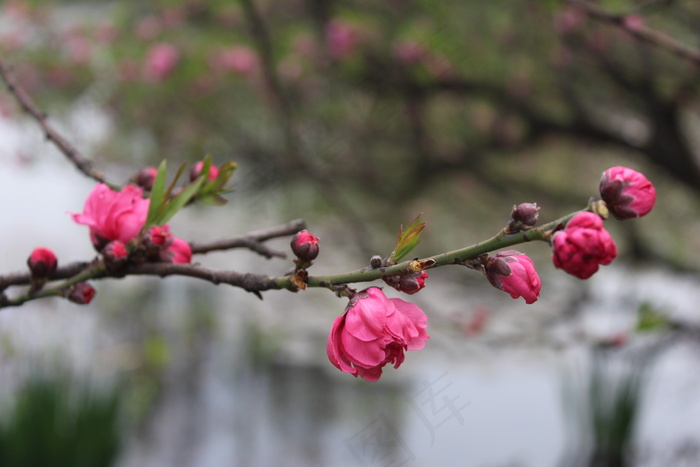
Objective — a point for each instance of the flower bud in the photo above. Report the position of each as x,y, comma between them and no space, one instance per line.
407,283
305,246
145,177
627,193
179,251
523,217
42,262
157,237
196,170
514,273
115,253
583,246
81,293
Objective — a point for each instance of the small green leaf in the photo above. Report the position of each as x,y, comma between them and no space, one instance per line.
651,319
157,195
179,201
211,189
408,239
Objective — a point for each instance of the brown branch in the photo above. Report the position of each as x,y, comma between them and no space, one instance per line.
27,105
651,36
252,240
24,278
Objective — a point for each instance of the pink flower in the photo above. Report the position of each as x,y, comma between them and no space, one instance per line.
514,273
113,215
373,331
627,193
179,251
42,262
305,246
161,60
407,283
583,246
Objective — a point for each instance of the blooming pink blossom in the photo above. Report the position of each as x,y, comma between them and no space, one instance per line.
305,246
179,251
514,273
583,246
113,215
161,60
373,331
42,262
627,193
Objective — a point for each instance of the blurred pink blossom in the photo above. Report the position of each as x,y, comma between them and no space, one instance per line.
341,39
238,59
161,60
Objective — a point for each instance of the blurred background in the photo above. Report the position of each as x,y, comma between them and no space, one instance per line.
355,116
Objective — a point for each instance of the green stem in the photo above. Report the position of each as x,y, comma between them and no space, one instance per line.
95,271
497,242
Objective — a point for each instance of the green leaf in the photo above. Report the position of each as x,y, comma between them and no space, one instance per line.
157,195
209,194
651,319
408,239
179,201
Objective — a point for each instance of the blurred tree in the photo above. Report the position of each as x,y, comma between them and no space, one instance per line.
387,100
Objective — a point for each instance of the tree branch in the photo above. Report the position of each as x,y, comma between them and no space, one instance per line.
253,240
27,105
656,38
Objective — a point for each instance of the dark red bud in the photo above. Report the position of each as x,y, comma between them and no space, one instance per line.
145,177
407,283
523,217
81,293
305,246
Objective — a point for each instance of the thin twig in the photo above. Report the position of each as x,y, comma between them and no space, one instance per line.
25,101
651,36
253,240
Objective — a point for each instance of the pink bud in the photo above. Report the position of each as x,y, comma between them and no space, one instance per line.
157,237
197,169
514,273
583,246
42,262
373,331
115,252
407,283
81,293
305,246
145,177
627,193
179,251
